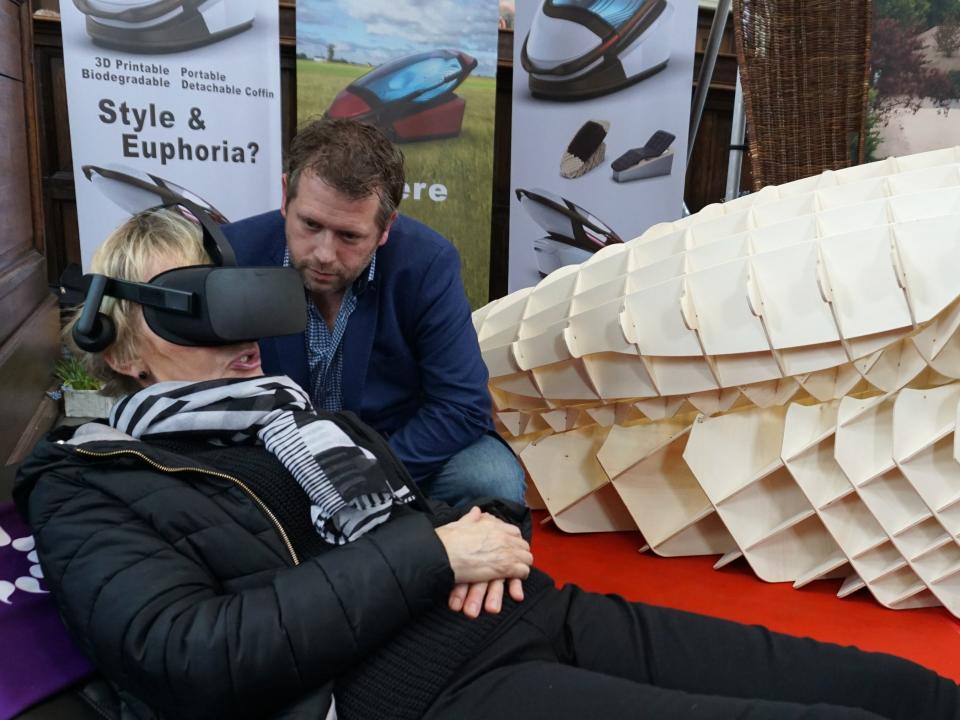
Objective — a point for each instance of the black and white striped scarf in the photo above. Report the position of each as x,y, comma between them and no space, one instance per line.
348,490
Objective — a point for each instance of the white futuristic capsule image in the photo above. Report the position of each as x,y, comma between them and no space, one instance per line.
580,49
164,26
773,378
572,232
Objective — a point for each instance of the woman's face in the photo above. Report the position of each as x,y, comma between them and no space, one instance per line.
159,360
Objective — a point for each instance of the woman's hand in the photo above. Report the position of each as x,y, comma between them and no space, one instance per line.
487,596
482,548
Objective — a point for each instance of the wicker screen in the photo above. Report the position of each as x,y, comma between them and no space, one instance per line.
804,66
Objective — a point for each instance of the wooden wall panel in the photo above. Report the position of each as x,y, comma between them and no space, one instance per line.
500,220
10,61
56,163
706,181
288,94
288,70
64,149
16,231
23,287
25,363
29,323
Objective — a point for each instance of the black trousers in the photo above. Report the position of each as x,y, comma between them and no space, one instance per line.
576,654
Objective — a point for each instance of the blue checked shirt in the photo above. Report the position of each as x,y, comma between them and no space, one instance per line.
325,347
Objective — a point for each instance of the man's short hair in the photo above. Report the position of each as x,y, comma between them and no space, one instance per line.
353,158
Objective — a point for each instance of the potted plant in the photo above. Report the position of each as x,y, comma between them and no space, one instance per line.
81,391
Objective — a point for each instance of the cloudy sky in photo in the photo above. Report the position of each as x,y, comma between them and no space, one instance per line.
375,31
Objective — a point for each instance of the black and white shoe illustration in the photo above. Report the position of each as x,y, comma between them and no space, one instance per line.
587,149
655,158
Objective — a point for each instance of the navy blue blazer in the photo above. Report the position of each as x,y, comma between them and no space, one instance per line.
411,361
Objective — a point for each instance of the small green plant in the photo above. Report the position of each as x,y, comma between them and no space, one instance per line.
70,371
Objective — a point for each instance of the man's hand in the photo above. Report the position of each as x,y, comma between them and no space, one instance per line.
487,596
482,548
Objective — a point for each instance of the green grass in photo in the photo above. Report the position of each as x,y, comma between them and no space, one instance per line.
464,164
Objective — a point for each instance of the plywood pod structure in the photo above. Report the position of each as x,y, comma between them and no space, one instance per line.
773,379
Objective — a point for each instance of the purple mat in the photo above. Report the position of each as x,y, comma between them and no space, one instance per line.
37,657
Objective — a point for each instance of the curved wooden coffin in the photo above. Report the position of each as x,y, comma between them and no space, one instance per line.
773,378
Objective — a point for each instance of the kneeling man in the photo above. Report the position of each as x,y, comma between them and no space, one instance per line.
389,335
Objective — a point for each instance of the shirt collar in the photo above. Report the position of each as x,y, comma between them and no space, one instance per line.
361,283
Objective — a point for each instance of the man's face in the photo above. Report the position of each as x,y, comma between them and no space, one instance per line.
331,237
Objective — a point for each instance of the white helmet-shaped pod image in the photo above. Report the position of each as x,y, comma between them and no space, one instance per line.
163,26
135,191
775,378
578,49
573,234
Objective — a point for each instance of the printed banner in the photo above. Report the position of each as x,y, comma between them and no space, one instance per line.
601,111
915,79
425,73
173,96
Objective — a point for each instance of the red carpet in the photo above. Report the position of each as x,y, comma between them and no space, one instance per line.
610,563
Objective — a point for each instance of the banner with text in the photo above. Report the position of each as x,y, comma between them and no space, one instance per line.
187,99
426,75
601,111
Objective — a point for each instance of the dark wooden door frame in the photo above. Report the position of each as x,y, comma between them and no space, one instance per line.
29,325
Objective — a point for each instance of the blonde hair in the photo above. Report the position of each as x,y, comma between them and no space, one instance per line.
126,255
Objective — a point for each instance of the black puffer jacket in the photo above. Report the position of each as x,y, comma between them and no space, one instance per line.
188,593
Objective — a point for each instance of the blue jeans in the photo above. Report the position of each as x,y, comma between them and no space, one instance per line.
488,468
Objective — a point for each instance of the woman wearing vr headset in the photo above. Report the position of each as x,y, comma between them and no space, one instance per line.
222,550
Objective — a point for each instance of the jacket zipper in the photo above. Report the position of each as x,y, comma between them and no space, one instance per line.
239,483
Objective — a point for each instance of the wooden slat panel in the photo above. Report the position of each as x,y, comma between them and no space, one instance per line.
16,228
30,320
26,362
71,231
23,286
10,61
288,22
288,94
59,82
707,172
43,420
32,127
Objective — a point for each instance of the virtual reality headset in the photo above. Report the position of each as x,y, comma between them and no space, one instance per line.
198,305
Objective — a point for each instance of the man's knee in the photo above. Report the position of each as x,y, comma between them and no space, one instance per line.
488,468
